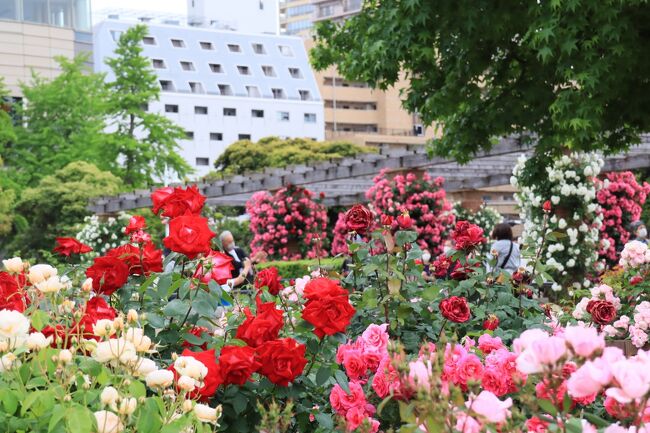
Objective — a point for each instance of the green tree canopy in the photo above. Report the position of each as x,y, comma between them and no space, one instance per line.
60,201
63,121
247,156
143,142
570,73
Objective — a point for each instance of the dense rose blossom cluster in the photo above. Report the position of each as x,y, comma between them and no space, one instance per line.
468,238
602,305
574,211
621,199
289,224
420,200
634,255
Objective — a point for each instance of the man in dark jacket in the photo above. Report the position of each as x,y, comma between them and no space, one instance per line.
243,266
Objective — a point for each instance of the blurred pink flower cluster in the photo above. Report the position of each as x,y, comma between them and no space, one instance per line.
621,199
422,197
634,254
288,225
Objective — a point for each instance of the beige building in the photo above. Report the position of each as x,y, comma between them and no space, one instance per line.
33,32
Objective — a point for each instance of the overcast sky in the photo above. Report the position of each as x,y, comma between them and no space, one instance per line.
165,6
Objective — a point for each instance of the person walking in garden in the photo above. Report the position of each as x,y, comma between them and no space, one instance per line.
243,266
427,272
505,250
639,231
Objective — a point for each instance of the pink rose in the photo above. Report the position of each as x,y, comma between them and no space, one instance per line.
469,367
342,402
633,379
490,407
588,379
487,343
420,375
526,338
355,365
375,338
495,381
465,424
584,341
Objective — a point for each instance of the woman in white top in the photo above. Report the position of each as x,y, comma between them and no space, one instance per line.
507,252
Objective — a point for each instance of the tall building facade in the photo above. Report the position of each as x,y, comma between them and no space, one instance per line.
33,32
296,17
335,10
223,86
246,16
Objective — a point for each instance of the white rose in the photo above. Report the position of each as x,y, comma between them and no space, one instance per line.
136,336
115,349
13,325
108,422
188,366
206,414
50,285
8,361
132,316
562,223
127,406
13,265
186,383
159,379
555,199
109,396
38,273
103,328
65,356
38,341
87,285
145,366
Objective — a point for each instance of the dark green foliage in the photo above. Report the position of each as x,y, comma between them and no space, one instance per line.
300,268
572,73
246,156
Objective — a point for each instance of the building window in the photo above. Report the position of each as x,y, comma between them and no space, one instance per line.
234,48
244,137
283,116
305,95
278,94
310,117
187,66
257,113
225,89
158,63
253,92
268,71
285,50
216,68
178,43
259,49
115,34
171,108
203,161
230,112
300,10
196,87
206,45
149,40
200,110
189,135
167,85
298,26
295,73
216,136
244,70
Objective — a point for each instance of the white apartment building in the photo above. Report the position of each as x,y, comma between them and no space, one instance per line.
248,16
222,86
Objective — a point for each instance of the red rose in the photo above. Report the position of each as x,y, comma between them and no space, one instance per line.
130,255
189,235
198,332
467,236
462,272
282,360
212,380
386,220
215,266
269,278
636,280
237,364
455,309
602,312
11,296
136,223
96,309
546,207
405,221
491,323
442,265
358,219
536,425
68,246
108,274
328,307
261,327
178,201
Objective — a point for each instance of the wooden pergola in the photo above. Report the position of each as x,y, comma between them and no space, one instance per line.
344,181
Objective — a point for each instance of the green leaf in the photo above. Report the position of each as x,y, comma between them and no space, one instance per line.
9,400
323,374
137,389
57,415
149,420
595,420
176,308
547,406
79,419
342,379
239,403
40,319
325,421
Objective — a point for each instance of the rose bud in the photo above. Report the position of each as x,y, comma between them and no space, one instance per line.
405,221
636,280
547,206
386,220
491,323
